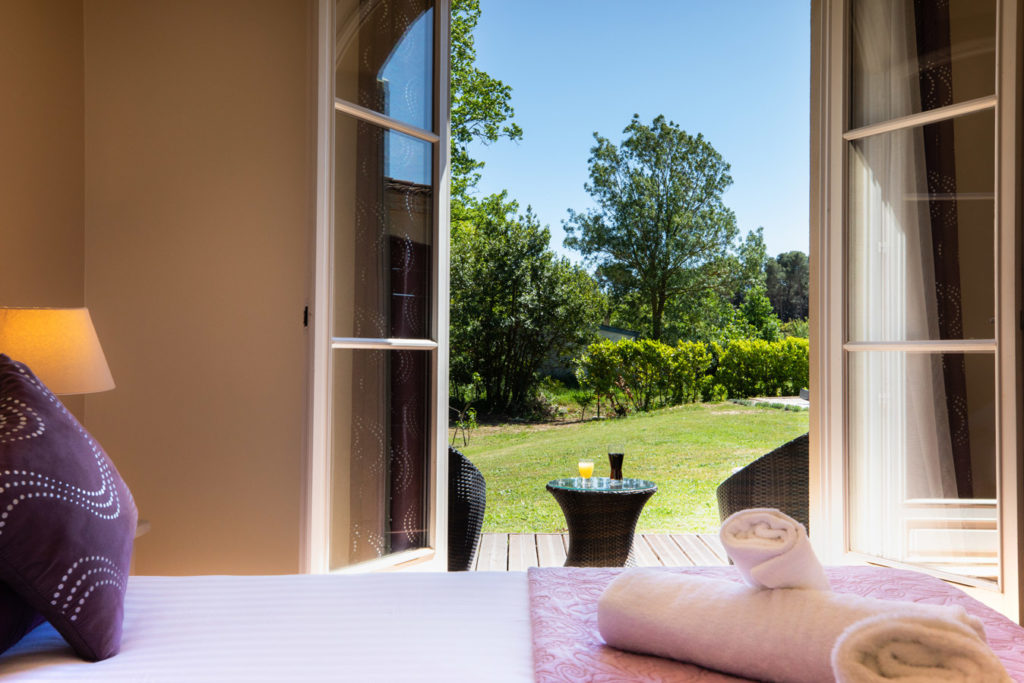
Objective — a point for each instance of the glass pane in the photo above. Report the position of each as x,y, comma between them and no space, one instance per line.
921,229
384,57
383,232
922,459
380,454
909,56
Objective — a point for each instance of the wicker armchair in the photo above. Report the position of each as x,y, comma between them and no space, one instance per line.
776,480
467,498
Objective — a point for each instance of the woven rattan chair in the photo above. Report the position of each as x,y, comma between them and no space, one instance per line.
776,480
467,499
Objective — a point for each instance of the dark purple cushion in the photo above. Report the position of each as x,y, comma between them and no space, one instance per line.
16,618
67,519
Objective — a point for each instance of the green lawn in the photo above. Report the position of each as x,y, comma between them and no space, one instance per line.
687,450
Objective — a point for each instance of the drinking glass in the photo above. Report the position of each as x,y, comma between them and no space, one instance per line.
586,470
616,452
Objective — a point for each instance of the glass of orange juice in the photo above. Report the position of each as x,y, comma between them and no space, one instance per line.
586,470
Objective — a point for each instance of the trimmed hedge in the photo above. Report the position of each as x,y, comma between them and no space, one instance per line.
643,375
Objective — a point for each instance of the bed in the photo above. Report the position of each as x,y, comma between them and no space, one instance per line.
370,627
67,523
406,627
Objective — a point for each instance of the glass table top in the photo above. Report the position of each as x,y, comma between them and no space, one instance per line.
602,484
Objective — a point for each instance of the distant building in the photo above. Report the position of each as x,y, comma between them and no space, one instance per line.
616,333
561,368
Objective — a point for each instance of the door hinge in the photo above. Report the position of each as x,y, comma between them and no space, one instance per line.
305,316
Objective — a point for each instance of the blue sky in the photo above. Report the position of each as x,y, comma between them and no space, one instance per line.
737,71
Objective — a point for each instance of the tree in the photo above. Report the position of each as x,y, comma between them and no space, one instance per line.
513,304
757,311
481,106
749,272
787,282
661,231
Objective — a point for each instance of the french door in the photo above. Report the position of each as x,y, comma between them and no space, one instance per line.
379,322
916,260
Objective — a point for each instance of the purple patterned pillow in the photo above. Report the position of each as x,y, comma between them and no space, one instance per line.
67,520
16,618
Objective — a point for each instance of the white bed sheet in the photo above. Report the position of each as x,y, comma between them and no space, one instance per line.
354,627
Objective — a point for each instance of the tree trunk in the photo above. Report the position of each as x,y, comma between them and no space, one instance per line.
655,317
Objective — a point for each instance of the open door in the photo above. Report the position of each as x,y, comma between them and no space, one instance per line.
916,288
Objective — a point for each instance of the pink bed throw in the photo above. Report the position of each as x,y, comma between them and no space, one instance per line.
568,647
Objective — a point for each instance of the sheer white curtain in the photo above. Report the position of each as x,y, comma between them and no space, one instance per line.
898,431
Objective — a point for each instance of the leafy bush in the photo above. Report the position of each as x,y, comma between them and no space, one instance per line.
644,369
795,328
753,367
643,375
689,375
598,371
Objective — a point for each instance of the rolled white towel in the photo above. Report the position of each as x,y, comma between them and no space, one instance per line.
914,649
771,550
771,635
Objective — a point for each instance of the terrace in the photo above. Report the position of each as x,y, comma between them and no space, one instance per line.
518,552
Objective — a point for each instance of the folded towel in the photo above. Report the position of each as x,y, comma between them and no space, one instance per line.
771,550
914,649
771,635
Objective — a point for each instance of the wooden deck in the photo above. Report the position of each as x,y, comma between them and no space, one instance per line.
517,552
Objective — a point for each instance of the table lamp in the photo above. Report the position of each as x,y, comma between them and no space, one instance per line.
59,345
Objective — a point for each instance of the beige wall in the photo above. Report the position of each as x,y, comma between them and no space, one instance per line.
41,153
199,134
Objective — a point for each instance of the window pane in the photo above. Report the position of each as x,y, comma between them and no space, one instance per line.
909,56
383,232
922,459
380,454
384,57
921,224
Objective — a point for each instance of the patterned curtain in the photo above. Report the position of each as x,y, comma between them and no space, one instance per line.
935,75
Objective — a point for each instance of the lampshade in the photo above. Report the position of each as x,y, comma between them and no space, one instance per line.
59,345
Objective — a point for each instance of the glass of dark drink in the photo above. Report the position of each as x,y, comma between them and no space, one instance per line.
616,452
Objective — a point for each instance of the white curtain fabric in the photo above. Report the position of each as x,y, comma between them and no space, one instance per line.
899,432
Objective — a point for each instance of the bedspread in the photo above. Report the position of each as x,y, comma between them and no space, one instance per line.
568,647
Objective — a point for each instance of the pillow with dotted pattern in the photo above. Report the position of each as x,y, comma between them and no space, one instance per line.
67,519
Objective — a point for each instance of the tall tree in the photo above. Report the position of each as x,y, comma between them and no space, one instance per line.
757,311
751,257
481,107
660,231
787,282
514,303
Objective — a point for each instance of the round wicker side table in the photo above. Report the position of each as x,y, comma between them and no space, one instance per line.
601,514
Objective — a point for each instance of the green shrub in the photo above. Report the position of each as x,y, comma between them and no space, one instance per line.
752,367
643,375
795,328
793,358
598,370
690,378
644,369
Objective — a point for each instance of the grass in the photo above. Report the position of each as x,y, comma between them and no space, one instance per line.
686,450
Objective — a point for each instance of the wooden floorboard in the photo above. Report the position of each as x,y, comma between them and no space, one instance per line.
551,549
493,553
695,549
715,544
670,554
518,552
522,552
643,554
